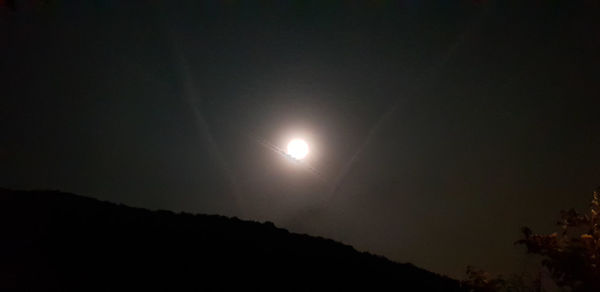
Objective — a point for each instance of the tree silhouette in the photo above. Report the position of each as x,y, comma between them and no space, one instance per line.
478,280
572,255
481,281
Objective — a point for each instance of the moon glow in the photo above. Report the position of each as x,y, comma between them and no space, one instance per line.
297,149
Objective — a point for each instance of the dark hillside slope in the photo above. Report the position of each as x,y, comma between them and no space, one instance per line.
53,241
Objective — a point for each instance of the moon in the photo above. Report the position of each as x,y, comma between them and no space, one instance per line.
297,149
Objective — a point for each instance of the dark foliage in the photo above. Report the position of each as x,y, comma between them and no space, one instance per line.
479,280
53,241
572,255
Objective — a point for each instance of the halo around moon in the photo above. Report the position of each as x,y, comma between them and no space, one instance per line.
297,149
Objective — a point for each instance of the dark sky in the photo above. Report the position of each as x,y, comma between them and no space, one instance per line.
437,128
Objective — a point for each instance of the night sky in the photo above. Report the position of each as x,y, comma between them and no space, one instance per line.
437,128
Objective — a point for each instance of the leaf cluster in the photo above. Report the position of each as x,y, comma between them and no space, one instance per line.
572,255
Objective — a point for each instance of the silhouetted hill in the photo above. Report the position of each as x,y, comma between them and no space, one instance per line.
53,241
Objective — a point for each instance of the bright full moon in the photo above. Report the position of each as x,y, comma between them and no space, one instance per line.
297,148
